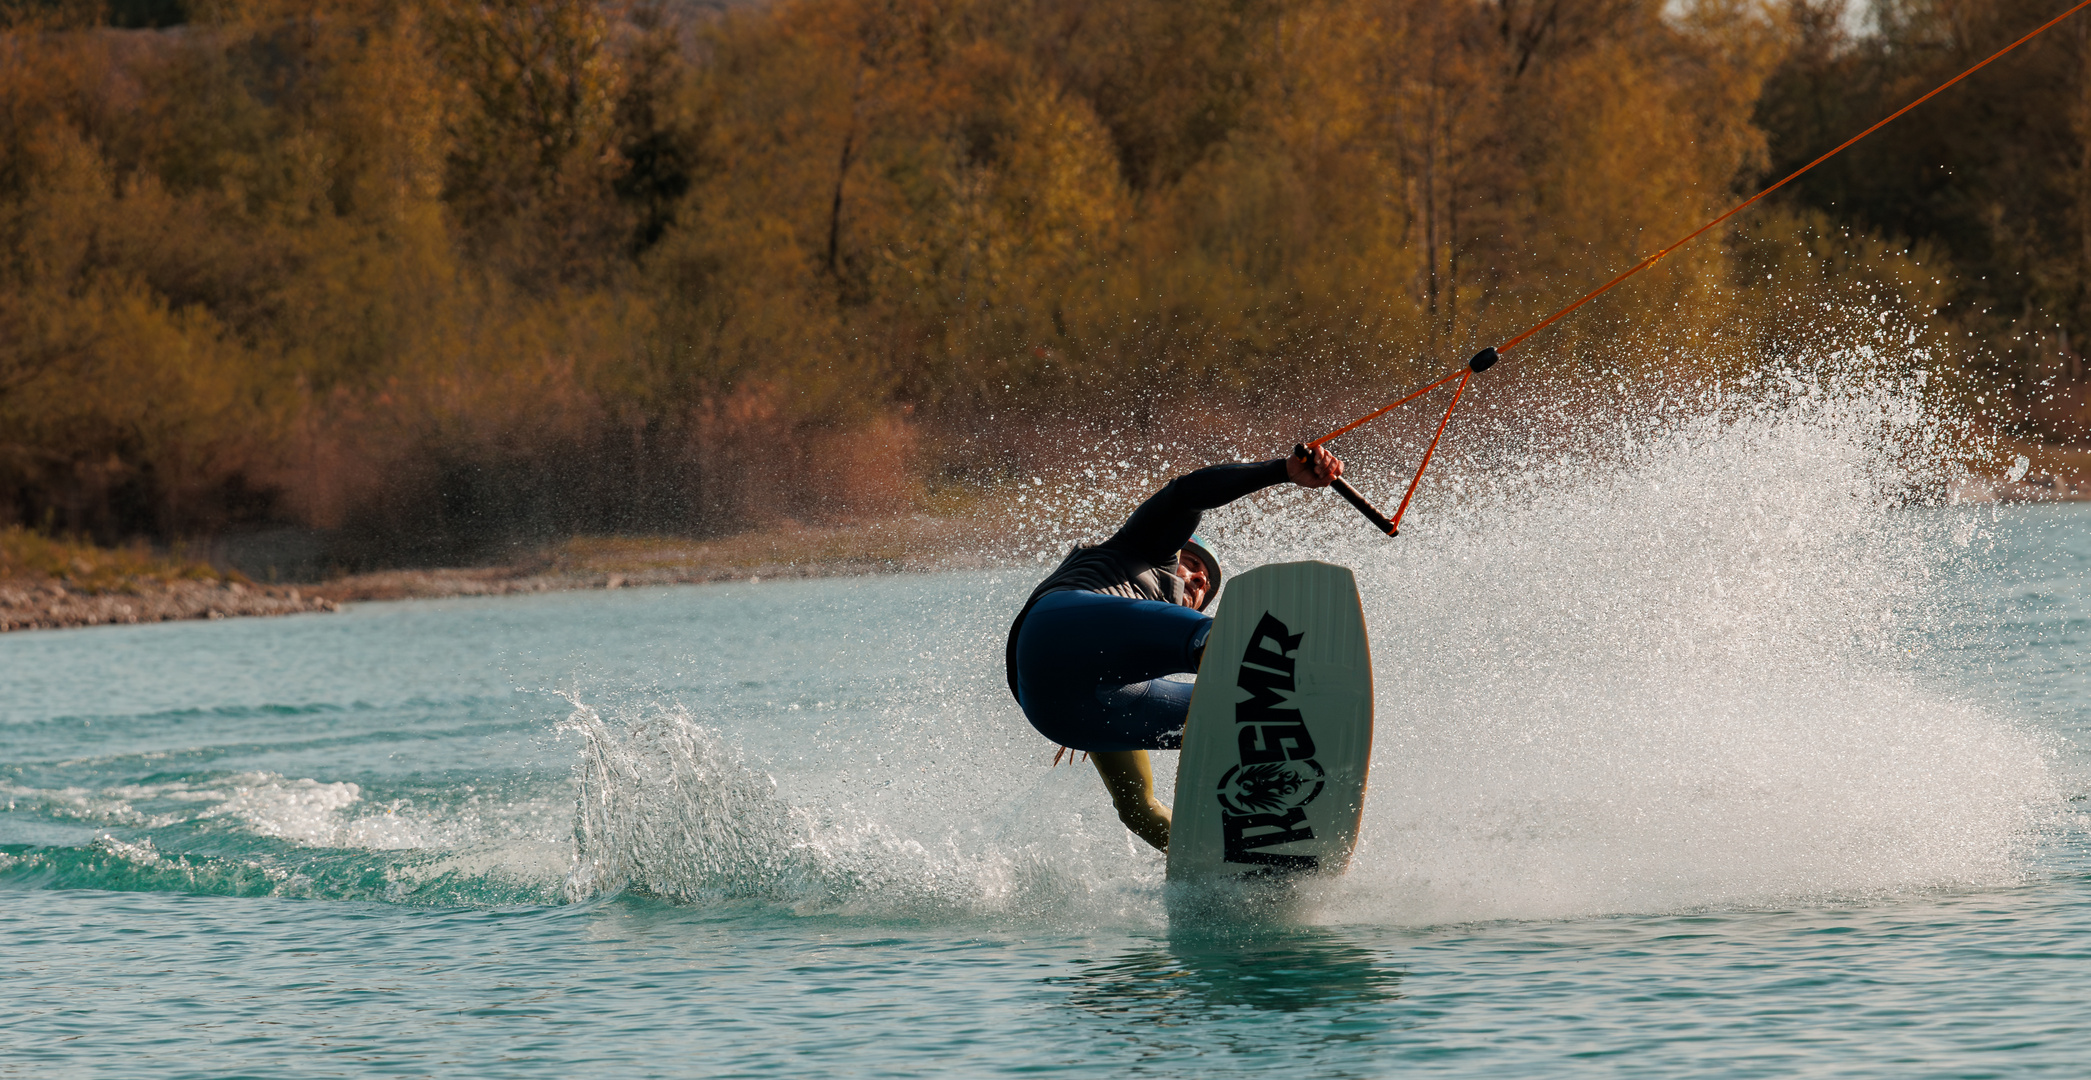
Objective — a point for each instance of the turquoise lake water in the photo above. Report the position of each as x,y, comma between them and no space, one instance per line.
1712,765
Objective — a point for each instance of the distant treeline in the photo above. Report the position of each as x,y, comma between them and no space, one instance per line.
433,275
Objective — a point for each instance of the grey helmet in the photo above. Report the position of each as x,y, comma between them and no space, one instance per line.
1200,546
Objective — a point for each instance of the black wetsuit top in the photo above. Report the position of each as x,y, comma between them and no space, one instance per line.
1139,560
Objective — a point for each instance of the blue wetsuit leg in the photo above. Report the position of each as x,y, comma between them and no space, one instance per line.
1090,667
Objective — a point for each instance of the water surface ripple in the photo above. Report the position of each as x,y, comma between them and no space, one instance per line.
797,829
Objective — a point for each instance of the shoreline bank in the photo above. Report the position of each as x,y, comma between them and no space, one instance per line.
79,586
27,604
70,596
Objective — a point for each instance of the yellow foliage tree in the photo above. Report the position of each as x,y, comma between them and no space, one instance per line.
436,276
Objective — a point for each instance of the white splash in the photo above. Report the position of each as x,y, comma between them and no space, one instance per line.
1673,671
1625,663
669,807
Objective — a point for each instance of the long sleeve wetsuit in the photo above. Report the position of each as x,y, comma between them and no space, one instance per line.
1158,529
1103,655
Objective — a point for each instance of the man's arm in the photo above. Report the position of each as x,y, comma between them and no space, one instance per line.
1158,529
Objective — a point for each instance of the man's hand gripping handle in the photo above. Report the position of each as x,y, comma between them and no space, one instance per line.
1350,494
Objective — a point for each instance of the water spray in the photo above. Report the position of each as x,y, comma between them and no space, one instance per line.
1481,362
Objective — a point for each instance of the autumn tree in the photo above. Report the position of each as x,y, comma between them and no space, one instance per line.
1996,175
433,276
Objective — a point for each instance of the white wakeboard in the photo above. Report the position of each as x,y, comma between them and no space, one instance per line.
1272,776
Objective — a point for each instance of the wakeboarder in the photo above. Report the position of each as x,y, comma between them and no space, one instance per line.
1088,653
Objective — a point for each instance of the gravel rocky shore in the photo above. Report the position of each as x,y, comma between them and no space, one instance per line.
86,587
45,605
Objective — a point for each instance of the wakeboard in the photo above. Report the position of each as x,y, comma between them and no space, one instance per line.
1271,781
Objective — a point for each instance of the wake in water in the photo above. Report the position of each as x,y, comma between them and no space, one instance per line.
262,834
1648,663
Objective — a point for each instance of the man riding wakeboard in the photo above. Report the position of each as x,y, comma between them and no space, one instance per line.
1088,652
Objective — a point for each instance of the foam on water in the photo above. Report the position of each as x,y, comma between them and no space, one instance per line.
302,811
1644,664
453,850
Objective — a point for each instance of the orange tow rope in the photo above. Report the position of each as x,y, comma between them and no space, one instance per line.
1411,493
1487,357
